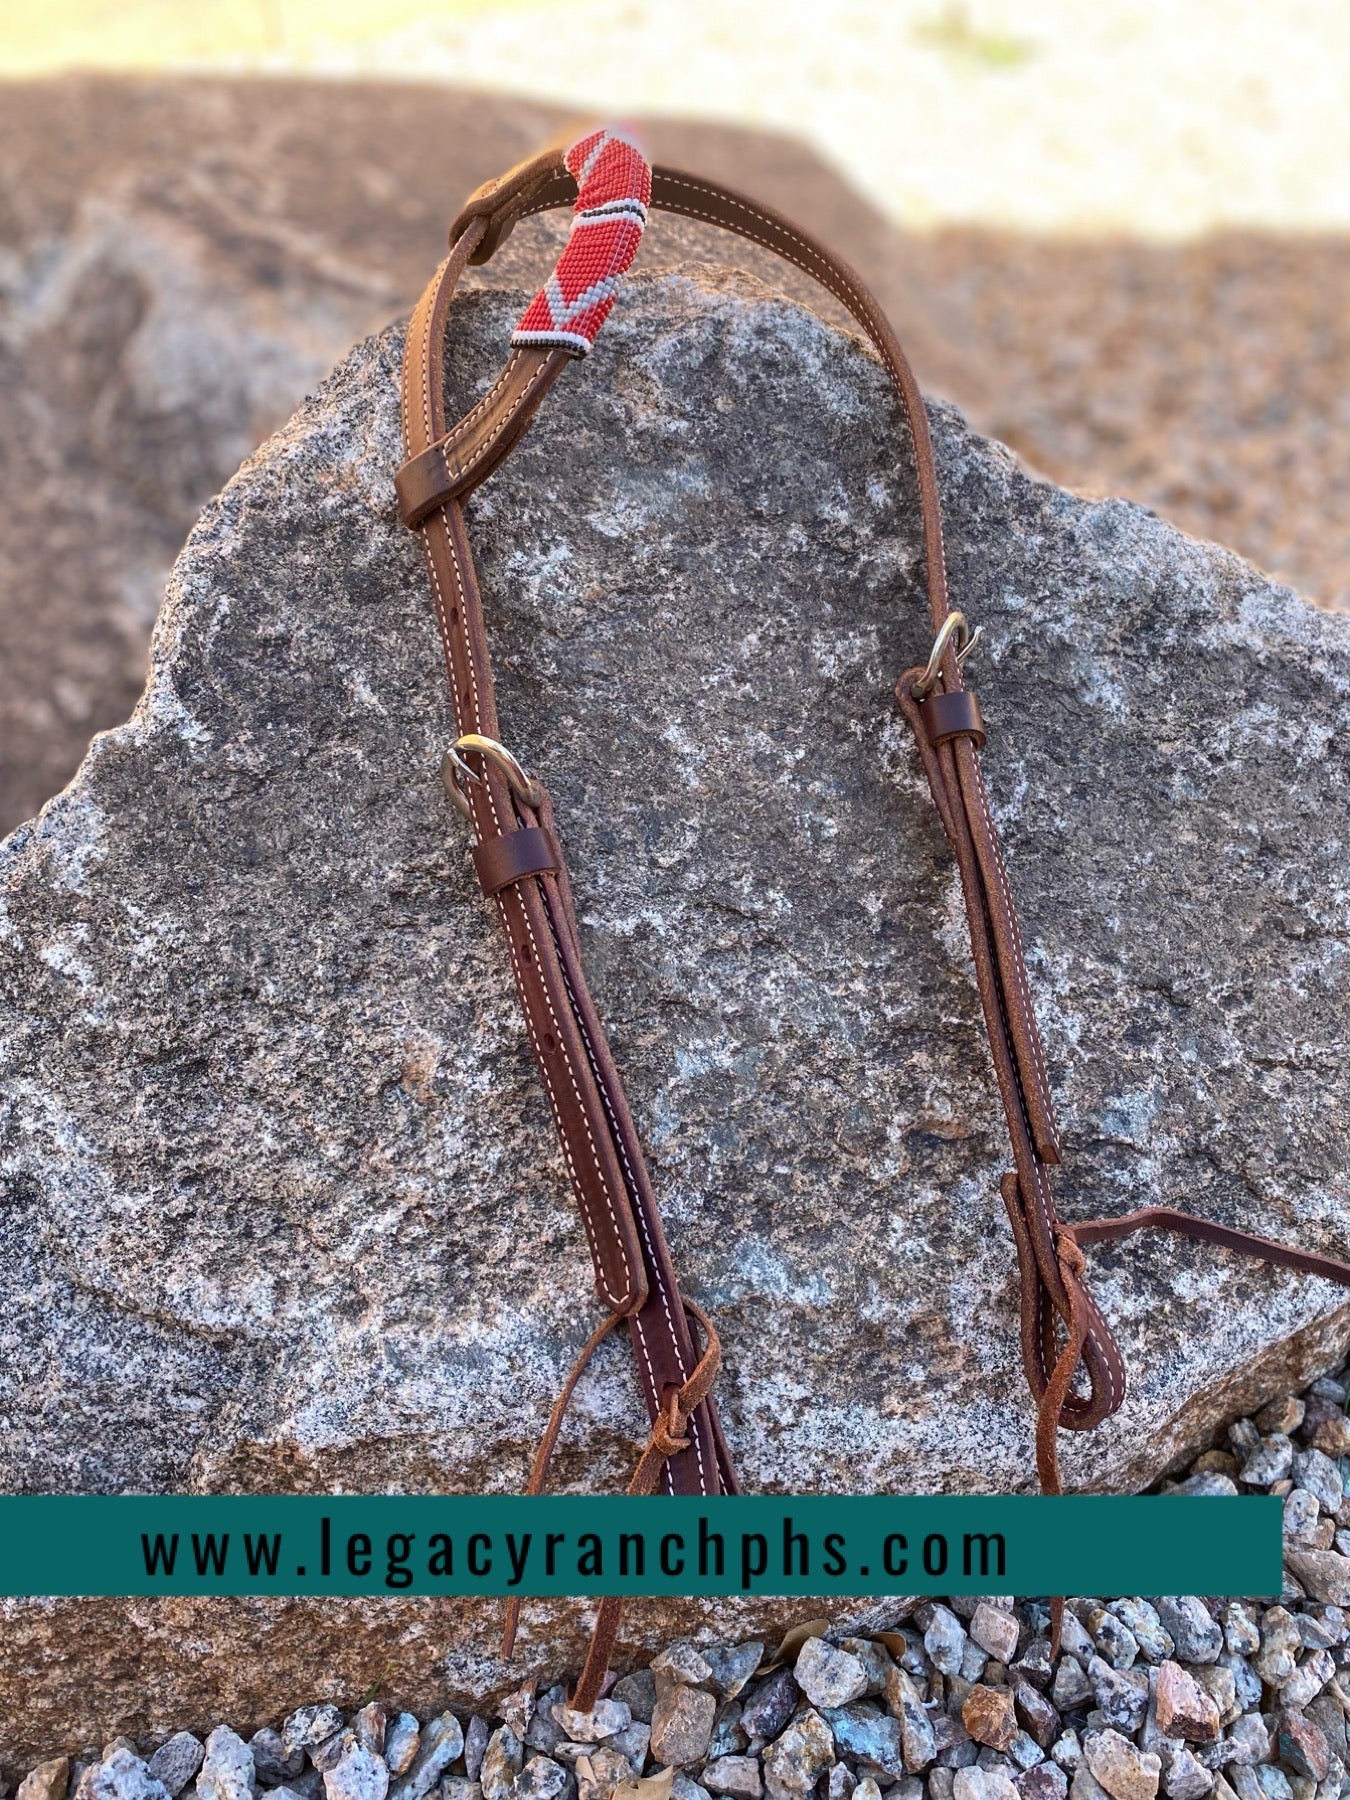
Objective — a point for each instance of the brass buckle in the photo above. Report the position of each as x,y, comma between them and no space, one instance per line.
966,640
455,771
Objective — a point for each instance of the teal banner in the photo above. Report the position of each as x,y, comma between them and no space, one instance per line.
566,1544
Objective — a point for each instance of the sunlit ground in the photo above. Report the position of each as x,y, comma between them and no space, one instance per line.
1147,117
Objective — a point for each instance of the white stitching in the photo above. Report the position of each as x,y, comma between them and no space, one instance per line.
588,1223
485,789
830,280
467,468
418,323
1014,932
646,1237
474,722
482,404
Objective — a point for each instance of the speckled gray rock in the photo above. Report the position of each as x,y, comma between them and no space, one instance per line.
944,1638
501,1763
905,1703
1185,1710
770,1704
1070,1687
796,1760
682,1723
1122,1696
1185,1778
1314,1471
867,1733
309,1726
122,1775
359,1774
329,1754
1145,1627
441,1743
178,1759
1047,1781
227,1768
1324,1573
731,1667
603,1770
1113,1638
256,1020
682,1663
602,1721
994,1630
638,1693
827,1675
634,1742
476,1735
736,1776
983,1784
1196,1635
1123,1770
1268,1463
540,1779
274,1761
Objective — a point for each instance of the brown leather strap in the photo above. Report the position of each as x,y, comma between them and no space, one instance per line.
544,1454
953,715
454,465
501,861
1063,1334
634,1274
667,1439
1210,1231
951,762
957,784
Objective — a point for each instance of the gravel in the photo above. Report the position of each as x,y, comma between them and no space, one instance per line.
1180,1695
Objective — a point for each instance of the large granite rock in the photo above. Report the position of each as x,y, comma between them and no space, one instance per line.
180,263
182,259
283,1209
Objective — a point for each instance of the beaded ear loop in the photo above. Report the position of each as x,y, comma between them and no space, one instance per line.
614,191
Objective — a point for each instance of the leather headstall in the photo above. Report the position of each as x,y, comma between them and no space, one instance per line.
1071,1361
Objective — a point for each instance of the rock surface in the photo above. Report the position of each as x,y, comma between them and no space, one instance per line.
1273,1673
180,263
181,259
284,1206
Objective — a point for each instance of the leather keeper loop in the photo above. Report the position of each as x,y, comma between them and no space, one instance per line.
953,715
501,861
455,464
423,484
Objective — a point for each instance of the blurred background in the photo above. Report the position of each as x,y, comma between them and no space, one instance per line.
1117,235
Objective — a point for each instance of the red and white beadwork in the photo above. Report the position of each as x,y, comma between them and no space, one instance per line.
614,190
